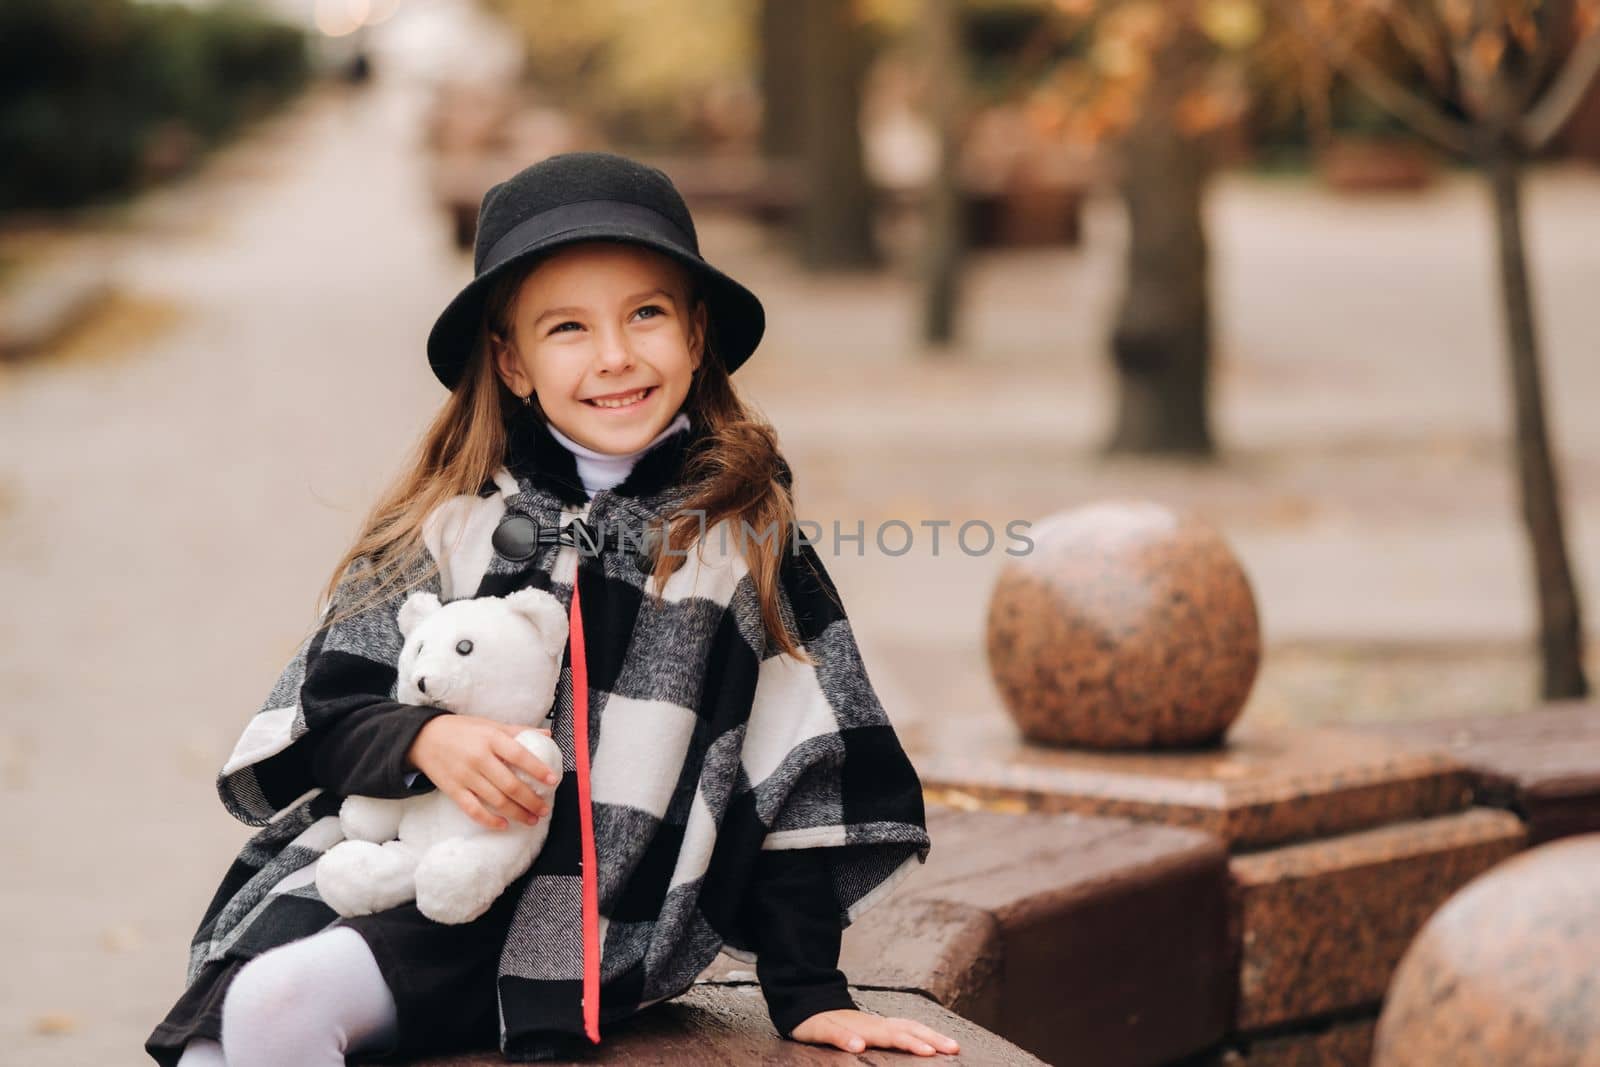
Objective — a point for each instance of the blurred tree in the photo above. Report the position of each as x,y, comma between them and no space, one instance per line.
944,247
99,96
641,69
1169,88
783,79
1504,77
836,221
1159,81
1161,343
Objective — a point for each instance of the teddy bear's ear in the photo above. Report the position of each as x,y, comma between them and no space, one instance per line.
418,606
543,610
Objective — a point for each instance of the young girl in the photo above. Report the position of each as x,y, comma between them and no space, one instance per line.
731,783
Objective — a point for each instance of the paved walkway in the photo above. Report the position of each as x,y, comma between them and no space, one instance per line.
169,516
170,508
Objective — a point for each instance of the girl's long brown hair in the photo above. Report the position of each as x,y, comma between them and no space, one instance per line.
735,477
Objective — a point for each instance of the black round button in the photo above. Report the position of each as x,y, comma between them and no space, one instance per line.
516,538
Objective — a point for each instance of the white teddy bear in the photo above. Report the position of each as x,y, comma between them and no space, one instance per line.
496,657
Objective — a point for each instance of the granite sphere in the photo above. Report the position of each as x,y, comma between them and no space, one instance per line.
1503,974
1128,625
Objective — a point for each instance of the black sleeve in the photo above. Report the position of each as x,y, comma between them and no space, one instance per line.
362,749
793,915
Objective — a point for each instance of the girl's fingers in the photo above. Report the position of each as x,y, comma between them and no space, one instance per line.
889,1033
476,811
905,1034
512,752
519,792
943,1043
496,801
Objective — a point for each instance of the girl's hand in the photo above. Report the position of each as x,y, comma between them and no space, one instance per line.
857,1031
471,758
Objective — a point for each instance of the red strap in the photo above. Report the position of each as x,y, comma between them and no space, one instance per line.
591,892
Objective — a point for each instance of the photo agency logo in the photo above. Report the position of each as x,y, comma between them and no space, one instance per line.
890,537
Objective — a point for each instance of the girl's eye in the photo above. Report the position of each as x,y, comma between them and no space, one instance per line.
659,311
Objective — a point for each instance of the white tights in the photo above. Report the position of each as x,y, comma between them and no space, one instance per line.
306,1003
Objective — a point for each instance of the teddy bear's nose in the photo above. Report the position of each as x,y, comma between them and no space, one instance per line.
422,683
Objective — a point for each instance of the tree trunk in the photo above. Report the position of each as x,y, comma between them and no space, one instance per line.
945,240
1162,340
1560,617
836,224
783,79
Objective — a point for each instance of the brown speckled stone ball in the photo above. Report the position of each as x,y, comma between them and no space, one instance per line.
1504,974
1127,626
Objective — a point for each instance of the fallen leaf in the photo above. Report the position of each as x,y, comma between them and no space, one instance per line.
954,798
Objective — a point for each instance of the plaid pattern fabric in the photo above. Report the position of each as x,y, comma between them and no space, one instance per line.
706,746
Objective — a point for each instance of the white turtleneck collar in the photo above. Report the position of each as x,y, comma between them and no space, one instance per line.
602,470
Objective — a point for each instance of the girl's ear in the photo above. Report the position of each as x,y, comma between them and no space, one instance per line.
508,366
697,332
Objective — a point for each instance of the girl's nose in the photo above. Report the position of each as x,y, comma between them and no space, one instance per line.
614,352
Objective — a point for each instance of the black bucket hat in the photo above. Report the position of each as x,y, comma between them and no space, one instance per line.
589,196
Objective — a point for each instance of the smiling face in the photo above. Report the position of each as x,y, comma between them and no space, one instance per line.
593,327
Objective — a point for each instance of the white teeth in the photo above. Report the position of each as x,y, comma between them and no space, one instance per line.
621,401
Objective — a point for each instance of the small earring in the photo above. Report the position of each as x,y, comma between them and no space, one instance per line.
527,401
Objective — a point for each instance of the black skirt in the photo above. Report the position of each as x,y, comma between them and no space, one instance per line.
442,978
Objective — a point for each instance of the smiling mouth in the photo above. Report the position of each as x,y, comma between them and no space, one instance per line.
629,400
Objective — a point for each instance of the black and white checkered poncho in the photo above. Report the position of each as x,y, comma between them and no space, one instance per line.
707,746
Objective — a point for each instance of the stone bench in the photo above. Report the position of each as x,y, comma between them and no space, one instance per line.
1542,764
726,1023
1085,940
1340,843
